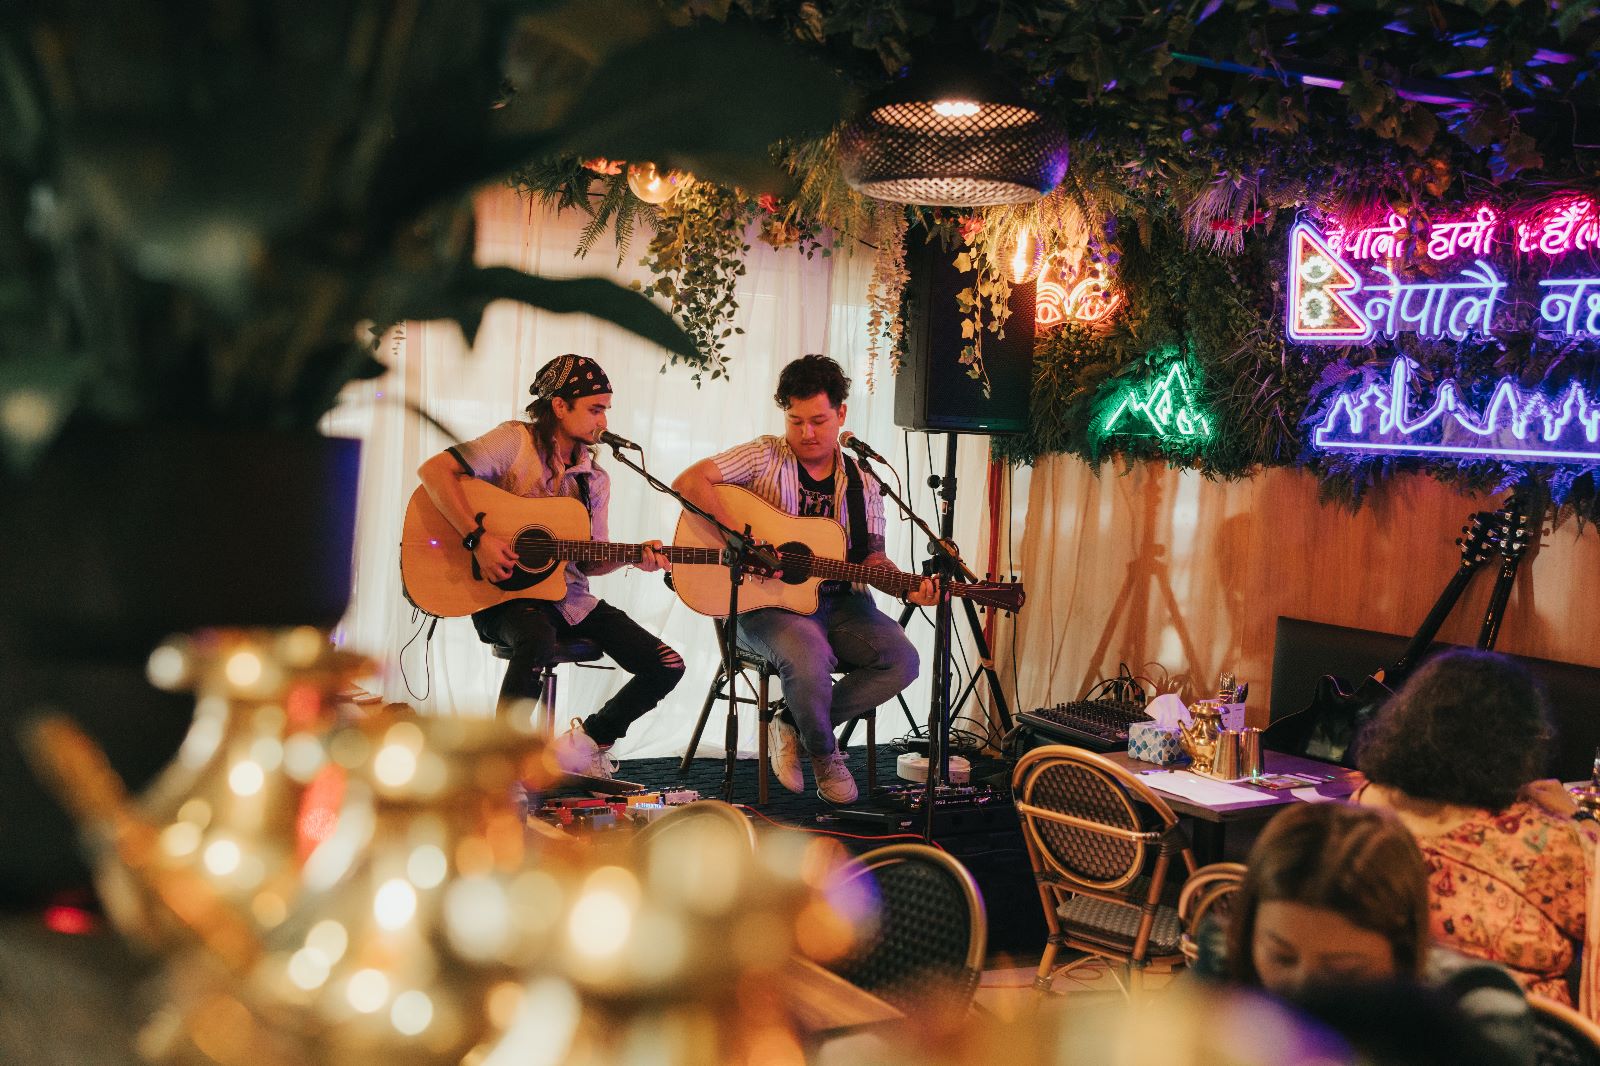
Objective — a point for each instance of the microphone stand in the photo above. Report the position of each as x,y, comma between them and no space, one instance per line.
945,564
738,553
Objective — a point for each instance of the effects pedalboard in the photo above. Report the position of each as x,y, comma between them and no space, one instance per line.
955,807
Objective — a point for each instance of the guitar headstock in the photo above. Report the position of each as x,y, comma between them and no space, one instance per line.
1480,538
1002,595
1516,528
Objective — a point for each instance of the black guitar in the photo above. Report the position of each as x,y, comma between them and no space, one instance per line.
1328,726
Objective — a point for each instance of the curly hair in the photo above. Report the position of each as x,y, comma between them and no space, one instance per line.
1358,862
1469,728
809,375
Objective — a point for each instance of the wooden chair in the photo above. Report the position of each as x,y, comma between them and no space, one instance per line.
1564,1037
1090,825
756,675
1206,899
926,952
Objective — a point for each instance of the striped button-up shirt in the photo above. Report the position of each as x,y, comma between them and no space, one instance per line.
768,467
506,458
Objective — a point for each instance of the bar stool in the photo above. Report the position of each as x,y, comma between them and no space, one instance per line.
572,650
746,663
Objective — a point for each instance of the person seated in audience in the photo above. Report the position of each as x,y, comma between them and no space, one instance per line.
1454,754
1335,898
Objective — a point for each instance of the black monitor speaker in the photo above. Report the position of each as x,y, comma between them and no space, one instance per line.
932,390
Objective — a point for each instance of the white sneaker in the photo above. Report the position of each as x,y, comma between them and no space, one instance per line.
577,753
834,783
783,752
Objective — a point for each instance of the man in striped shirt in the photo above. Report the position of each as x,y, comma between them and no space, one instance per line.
551,456
805,473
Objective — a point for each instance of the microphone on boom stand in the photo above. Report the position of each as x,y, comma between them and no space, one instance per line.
612,440
861,447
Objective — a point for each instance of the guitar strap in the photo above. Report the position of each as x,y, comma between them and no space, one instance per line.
855,502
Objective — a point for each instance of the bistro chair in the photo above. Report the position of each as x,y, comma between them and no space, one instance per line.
1205,905
926,951
573,650
1563,1037
1090,827
756,675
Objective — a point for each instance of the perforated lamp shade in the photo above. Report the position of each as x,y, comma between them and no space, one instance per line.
953,140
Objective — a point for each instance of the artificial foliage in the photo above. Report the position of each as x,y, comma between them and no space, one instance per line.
1197,132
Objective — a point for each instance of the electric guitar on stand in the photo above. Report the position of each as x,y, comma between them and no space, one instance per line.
810,551
440,577
1327,728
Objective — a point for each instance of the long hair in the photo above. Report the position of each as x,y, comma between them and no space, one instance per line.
1469,728
1359,862
542,416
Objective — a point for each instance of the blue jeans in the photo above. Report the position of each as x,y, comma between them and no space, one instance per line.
847,632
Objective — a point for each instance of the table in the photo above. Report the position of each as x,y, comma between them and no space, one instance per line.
826,1005
1210,821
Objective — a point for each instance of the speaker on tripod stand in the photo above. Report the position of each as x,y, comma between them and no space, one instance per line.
932,391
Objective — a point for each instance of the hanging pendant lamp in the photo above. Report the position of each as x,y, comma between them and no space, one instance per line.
953,136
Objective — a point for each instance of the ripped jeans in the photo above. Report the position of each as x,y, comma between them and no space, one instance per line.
532,628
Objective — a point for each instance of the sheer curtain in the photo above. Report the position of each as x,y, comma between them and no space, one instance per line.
788,306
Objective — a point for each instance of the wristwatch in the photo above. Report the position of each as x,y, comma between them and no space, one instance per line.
470,541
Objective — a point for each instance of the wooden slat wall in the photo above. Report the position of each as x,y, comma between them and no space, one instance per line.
1162,566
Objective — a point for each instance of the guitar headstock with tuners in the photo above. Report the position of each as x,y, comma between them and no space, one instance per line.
1516,529
1480,538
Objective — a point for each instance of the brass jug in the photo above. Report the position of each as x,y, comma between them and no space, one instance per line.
1199,737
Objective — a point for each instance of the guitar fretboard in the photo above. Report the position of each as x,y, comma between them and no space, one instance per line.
605,551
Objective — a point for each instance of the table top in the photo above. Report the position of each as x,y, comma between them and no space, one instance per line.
1336,782
825,1004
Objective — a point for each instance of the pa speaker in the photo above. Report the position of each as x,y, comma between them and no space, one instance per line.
932,390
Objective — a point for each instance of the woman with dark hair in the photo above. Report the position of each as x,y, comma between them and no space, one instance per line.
1335,900
1454,754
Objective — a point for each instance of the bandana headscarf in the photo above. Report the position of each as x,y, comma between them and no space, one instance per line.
571,377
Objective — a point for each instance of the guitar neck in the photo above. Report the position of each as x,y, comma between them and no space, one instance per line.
895,582
1430,625
605,551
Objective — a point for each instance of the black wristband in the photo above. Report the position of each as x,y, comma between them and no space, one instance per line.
470,541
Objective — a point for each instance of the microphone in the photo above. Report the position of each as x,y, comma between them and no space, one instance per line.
861,447
609,438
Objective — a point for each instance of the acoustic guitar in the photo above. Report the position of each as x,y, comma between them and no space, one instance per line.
810,551
1328,727
438,573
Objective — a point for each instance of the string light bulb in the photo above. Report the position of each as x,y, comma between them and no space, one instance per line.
1027,257
650,184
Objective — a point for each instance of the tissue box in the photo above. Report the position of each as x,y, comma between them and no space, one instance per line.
1154,742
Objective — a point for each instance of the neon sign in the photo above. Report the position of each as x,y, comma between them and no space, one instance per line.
1090,299
1563,225
1163,406
1331,301
1379,415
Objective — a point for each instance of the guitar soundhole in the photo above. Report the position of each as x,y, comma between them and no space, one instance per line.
536,559
796,562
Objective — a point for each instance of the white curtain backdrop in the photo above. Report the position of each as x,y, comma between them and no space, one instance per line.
788,306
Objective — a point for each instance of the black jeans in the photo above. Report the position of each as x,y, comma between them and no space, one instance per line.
532,628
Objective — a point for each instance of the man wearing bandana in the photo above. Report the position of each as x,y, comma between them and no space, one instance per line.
806,473
551,455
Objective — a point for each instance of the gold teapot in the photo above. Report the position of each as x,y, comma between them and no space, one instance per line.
1199,737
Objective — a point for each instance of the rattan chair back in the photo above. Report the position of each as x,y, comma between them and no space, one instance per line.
1563,1036
925,952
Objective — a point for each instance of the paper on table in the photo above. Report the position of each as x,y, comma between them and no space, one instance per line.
1200,790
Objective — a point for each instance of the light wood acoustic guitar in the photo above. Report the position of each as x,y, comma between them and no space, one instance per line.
810,551
438,574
